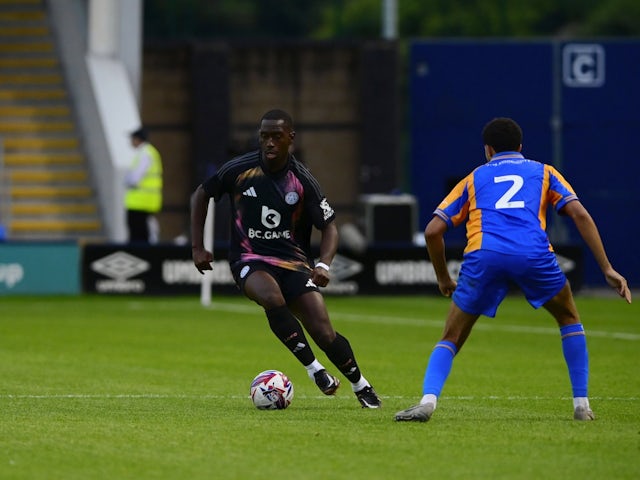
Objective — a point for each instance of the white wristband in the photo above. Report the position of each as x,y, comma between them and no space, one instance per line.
322,265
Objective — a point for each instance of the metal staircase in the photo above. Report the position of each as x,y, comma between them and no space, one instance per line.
48,193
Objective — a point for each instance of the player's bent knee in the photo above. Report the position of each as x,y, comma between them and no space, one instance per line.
324,339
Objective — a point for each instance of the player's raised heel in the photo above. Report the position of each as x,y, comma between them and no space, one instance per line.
417,413
327,383
583,413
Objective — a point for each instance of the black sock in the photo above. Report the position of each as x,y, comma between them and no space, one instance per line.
287,328
341,355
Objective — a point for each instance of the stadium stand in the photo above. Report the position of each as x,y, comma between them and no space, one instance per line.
49,195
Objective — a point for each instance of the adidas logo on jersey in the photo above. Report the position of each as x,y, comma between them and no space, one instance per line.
250,192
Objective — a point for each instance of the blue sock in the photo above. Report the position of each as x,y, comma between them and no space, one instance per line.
438,368
574,348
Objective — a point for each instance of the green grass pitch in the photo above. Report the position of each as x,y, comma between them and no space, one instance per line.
157,388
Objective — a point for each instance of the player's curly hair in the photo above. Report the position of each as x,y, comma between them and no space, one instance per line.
503,134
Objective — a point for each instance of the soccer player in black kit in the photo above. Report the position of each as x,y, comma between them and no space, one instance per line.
275,202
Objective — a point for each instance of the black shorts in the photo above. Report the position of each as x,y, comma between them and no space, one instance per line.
292,282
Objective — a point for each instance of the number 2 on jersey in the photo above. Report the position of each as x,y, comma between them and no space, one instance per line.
516,184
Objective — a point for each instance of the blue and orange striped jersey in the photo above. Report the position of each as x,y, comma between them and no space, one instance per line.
504,203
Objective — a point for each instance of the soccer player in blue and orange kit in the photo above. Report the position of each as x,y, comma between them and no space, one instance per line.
504,204
275,202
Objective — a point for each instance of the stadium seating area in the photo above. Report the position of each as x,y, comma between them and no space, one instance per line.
47,189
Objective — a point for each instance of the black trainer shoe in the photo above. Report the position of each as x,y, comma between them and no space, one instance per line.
327,383
368,398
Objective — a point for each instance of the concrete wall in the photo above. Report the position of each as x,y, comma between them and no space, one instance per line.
191,113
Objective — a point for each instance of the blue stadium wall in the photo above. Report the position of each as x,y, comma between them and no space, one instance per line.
579,106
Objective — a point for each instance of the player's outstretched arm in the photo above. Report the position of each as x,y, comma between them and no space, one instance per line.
619,283
328,249
434,236
589,232
202,258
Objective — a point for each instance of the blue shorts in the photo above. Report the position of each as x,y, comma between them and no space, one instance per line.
485,278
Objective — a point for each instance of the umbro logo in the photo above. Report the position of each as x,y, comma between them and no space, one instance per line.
250,192
120,266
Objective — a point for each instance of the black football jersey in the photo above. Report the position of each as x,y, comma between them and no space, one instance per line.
272,214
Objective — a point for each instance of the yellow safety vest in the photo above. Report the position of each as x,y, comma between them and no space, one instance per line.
147,196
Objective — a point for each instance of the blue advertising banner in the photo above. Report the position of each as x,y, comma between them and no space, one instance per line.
456,88
579,107
39,268
600,124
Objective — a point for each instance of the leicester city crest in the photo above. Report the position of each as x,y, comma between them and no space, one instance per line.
291,198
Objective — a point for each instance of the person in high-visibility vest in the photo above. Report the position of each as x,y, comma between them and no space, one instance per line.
143,198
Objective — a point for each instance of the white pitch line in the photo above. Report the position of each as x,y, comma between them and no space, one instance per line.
427,322
143,396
